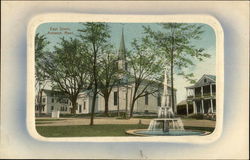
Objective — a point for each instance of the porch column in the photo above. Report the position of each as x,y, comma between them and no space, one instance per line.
187,92
202,106
211,88
194,105
187,108
211,101
201,90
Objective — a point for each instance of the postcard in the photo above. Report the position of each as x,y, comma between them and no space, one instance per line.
123,86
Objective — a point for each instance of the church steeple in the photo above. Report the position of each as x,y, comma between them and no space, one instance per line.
122,49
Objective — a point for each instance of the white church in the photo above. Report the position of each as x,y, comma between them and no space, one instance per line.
119,99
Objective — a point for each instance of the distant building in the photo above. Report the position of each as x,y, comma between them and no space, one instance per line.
53,100
201,97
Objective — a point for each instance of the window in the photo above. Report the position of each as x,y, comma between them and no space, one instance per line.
52,100
159,100
44,99
80,108
205,80
84,105
43,108
115,98
52,108
146,98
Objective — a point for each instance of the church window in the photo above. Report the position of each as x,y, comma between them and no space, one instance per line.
146,98
159,100
115,98
84,105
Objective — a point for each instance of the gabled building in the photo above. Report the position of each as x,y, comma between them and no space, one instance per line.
201,97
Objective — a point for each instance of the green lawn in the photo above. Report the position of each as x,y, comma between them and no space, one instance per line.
86,130
210,129
97,130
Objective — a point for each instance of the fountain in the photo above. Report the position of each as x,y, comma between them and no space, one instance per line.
166,124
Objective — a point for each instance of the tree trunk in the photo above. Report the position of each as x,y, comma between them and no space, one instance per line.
93,108
73,110
74,104
132,108
40,105
106,99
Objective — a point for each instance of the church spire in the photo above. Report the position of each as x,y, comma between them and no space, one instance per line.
122,49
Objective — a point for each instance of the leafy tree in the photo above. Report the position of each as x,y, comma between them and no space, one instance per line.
108,77
40,53
175,45
67,69
95,36
144,72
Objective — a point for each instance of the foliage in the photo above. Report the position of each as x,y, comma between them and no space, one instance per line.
67,69
108,75
40,53
95,36
175,47
40,45
144,72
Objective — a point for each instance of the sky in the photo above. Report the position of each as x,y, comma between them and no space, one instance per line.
55,31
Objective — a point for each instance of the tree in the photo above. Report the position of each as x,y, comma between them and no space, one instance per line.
108,77
67,69
145,71
95,36
175,45
40,53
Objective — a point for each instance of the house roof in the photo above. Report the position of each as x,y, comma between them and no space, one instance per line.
199,84
213,77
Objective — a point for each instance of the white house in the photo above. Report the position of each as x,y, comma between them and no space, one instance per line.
201,97
53,100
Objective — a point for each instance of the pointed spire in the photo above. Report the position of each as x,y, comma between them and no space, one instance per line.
122,49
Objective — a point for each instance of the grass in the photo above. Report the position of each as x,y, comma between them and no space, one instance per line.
210,129
41,122
97,130
88,131
49,119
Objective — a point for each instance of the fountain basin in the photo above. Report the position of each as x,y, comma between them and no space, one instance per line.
145,132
